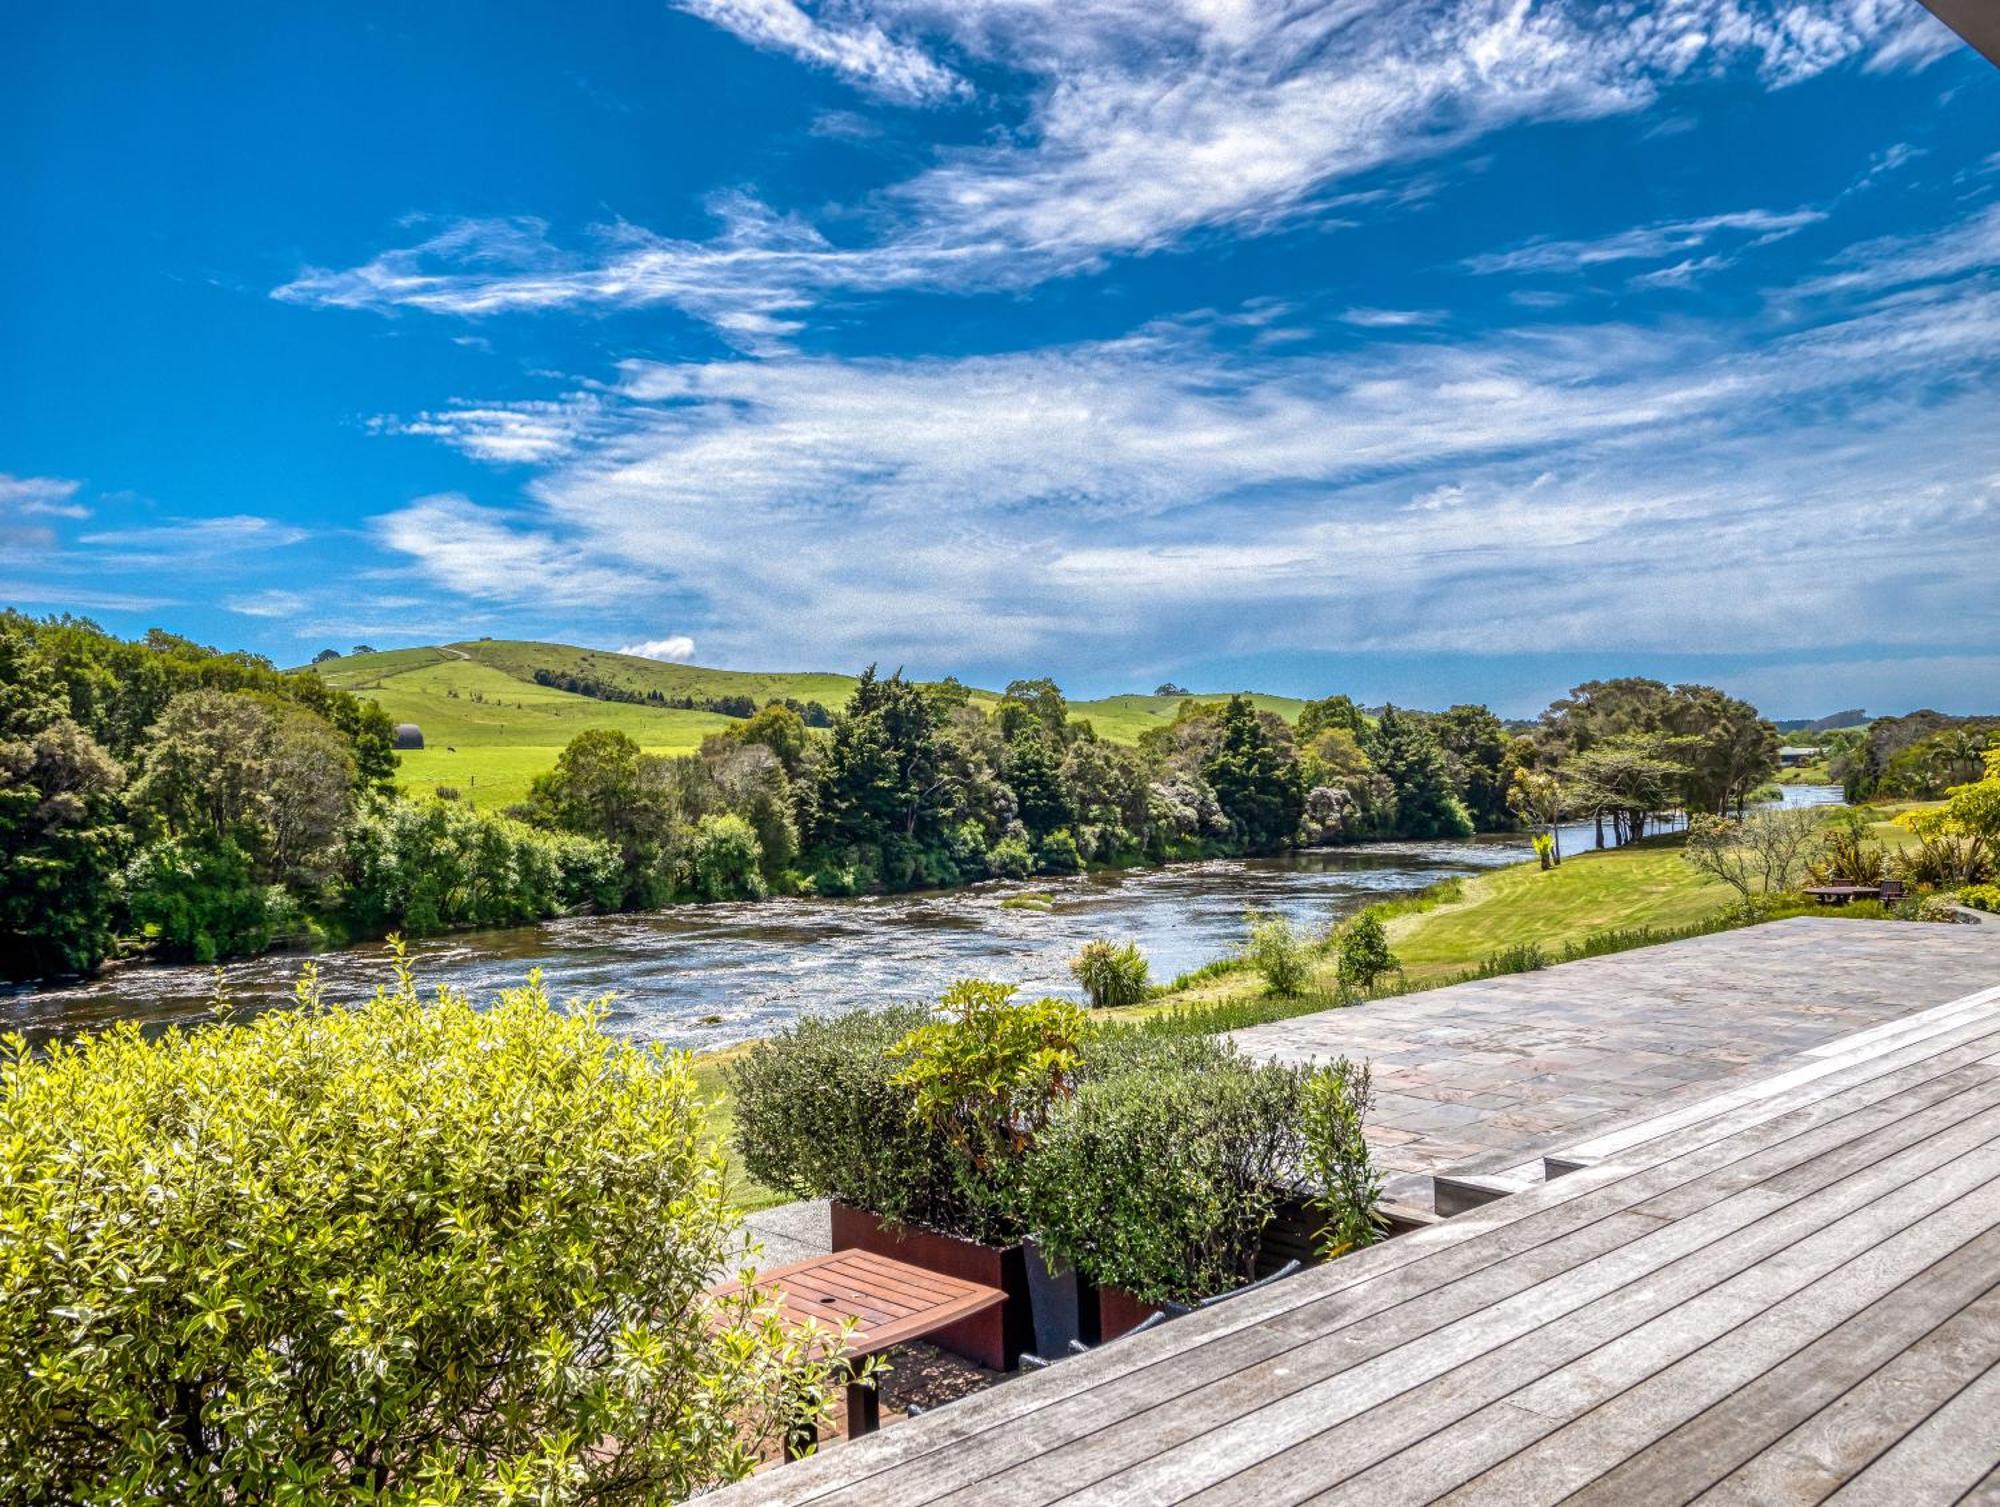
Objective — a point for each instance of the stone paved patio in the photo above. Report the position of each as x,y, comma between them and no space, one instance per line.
1479,1075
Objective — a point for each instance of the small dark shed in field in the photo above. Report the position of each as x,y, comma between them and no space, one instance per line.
409,735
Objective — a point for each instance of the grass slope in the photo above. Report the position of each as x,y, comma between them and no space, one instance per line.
489,729
1644,885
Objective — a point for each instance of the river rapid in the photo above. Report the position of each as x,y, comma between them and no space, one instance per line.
708,976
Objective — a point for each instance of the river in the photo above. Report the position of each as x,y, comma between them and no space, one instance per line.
707,976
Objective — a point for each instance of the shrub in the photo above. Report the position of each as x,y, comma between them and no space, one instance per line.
1522,957
1276,951
819,1115
1058,853
728,860
411,1252
200,899
1334,1107
986,1074
1364,953
1162,1180
1981,896
1010,858
1846,856
1110,974
1936,908
427,866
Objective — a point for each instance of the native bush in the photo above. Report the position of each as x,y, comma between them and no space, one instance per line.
728,861
1275,949
1161,1179
411,1252
428,866
1981,896
1111,974
1364,953
1348,1190
1010,858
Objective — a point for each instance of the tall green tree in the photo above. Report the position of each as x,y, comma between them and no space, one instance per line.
1256,780
1330,712
60,840
1409,756
605,786
1480,753
885,784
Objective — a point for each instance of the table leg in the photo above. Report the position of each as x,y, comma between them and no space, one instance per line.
864,1409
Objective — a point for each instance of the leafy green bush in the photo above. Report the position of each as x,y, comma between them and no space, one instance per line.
1522,957
1110,974
1364,953
408,1253
1277,952
1010,858
728,862
1057,853
202,900
1334,1108
1981,896
986,1073
428,866
1161,1180
1936,908
820,1115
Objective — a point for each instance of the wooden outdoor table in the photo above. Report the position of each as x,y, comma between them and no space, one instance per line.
891,1303
1840,894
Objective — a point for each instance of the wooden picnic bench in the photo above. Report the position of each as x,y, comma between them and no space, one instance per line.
1840,894
891,1303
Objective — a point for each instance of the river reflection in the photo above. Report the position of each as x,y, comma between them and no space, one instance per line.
710,975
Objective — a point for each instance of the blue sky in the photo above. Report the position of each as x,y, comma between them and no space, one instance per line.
1427,351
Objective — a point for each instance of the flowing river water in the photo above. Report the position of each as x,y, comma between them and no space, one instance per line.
707,976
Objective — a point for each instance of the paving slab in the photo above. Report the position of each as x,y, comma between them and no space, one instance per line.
1478,1075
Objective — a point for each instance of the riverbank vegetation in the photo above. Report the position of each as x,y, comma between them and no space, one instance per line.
162,795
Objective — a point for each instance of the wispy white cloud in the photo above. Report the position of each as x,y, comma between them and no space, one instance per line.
1553,487
41,497
1145,122
1392,319
676,647
486,554
835,38
1667,238
271,603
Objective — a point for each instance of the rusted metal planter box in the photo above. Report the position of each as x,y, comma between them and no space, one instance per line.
995,1338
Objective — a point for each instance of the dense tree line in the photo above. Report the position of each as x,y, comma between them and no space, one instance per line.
917,785
1918,756
207,804
605,690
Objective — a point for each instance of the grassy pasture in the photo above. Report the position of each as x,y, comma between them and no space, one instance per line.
489,729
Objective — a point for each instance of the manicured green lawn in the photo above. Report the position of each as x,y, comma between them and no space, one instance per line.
1646,884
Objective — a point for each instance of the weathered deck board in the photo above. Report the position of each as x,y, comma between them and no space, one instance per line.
1789,1293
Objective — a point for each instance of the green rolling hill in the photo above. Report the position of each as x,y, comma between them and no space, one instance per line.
490,728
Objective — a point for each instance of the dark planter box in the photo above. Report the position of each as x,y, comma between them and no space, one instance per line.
1290,1236
993,1339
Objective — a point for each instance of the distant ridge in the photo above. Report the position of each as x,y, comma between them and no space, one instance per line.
490,726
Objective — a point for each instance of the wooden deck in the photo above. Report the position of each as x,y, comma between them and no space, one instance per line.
1785,1293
